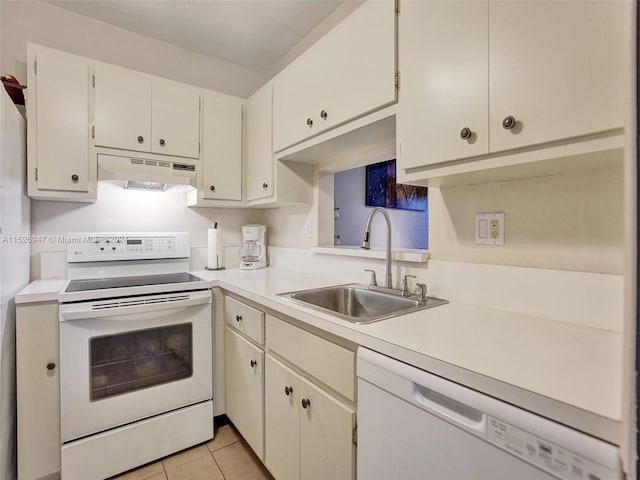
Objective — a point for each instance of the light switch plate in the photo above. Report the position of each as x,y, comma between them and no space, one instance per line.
489,228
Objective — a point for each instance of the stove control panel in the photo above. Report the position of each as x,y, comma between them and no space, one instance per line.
102,247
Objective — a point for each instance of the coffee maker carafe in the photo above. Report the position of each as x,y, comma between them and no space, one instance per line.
253,253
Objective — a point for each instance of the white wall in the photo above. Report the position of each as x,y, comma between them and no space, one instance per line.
47,24
409,228
118,209
14,269
562,222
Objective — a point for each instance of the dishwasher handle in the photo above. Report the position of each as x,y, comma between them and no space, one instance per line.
453,410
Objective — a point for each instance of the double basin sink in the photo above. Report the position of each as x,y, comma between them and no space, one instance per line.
359,303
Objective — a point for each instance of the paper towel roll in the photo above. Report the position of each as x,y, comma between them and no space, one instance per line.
215,259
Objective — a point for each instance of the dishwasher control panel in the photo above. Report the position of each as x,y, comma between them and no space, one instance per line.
545,455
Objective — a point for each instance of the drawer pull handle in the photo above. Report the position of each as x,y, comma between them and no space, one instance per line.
51,366
288,390
140,139
265,185
162,142
212,188
324,114
74,178
238,318
309,122
253,363
306,403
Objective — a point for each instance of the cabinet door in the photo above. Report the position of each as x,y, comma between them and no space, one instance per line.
244,383
38,394
222,149
326,436
348,73
258,146
62,123
444,84
557,67
297,94
358,65
122,110
175,120
282,406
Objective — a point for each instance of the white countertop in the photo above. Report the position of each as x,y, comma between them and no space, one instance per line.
566,372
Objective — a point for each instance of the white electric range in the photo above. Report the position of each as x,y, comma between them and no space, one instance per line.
135,352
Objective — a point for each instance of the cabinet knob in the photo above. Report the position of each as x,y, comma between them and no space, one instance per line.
74,178
323,115
140,139
162,142
309,122
306,403
253,363
238,318
212,188
265,185
288,390
51,366
509,122
466,133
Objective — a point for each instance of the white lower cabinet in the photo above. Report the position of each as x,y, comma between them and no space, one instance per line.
309,429
38,391
291,394
244,363
308,432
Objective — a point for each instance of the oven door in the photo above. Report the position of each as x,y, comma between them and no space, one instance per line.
126,359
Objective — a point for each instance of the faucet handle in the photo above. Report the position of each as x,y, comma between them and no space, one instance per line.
374,281
404,291
422,292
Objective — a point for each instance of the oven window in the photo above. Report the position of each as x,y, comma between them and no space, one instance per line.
125,362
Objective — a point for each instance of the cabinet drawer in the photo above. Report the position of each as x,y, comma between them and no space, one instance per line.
244,318
330,363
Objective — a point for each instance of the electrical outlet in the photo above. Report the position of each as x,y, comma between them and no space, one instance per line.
489,228
494,229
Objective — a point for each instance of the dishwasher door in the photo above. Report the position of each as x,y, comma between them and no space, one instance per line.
417,426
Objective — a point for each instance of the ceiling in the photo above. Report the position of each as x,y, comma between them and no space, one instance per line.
256,34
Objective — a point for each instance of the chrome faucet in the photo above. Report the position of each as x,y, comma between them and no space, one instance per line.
388,283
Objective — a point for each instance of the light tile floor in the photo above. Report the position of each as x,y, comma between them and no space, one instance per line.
226,457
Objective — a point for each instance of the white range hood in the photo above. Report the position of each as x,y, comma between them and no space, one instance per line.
144,173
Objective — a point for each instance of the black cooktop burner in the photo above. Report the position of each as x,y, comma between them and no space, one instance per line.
133,281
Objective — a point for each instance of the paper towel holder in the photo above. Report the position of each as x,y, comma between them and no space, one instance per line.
217,256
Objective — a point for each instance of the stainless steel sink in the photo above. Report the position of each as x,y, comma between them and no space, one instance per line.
359,303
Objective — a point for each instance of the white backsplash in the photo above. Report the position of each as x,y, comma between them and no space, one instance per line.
590,299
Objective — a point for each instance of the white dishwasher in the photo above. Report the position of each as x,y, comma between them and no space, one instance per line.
413,425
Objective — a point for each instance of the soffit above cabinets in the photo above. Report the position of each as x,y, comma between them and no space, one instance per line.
256,34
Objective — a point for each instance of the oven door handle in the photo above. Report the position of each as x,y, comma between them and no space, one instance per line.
126,306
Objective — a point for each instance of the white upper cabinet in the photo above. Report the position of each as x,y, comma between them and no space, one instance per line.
58,129
122,110
346,74
259,160
557,67
444,71
221,149
175,120
140,113
488,76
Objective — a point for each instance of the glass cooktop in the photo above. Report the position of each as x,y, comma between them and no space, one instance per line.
89,284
